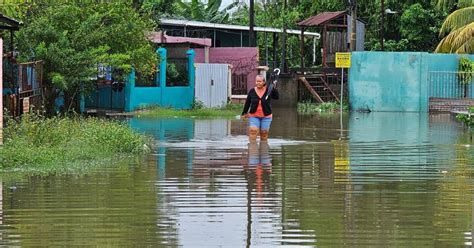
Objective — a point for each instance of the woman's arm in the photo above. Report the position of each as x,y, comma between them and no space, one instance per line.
246,105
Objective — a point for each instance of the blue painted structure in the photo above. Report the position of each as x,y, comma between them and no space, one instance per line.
395,81
133,97
442,71
104,97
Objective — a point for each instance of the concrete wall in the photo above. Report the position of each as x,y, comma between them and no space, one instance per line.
381,81
396,81
447,105
178,97
288,89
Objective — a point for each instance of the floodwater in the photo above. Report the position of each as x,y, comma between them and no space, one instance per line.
384,179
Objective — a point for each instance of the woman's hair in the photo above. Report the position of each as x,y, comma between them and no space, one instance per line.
260,76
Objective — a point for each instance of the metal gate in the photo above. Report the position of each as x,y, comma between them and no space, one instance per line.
213,84
450,84
107,96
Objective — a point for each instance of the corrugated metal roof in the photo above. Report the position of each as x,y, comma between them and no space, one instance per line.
321,18
175,22
9,23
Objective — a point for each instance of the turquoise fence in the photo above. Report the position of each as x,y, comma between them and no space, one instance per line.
133,97
450,84
403,81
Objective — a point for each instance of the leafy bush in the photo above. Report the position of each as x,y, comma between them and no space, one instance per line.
466,69
176,74
467,119
310,107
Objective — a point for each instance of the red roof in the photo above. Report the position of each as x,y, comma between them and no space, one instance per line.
321,18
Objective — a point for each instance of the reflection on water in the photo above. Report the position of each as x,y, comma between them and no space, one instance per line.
392,179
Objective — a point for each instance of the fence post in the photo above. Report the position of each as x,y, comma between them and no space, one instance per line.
161,52
82,100
1,91
191,70
128,94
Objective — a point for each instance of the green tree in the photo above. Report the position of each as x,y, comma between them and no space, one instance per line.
420,37
157,8
209,12
402,29
73,39
458,29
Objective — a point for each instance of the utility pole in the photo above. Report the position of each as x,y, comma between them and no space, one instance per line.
283,45
353,25
382,15
252,42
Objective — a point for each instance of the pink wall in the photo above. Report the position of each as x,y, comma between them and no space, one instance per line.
244,60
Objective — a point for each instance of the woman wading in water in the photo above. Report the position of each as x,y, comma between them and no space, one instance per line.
258,109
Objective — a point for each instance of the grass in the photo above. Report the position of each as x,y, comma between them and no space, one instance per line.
47,145
327,107
198,111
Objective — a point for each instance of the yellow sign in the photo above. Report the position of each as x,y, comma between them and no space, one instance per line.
343,60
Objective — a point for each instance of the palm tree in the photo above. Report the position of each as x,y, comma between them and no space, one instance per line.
450,4
459,30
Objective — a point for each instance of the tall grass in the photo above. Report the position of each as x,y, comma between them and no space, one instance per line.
38,144
229,110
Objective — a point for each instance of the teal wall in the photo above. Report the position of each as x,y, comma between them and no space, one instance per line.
445,62
381,81
395,81
178,97
138,97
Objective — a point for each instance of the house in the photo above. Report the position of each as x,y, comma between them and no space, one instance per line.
230,45
22,87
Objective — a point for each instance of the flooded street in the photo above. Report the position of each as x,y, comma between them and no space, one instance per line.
385,179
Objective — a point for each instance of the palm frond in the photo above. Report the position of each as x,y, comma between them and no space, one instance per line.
184,6
213,5
465,34
457,19
446,44
443,47
445,4
465,3
467,47
458,41
197,10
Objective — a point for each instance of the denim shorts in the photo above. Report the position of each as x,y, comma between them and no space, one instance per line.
260,122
